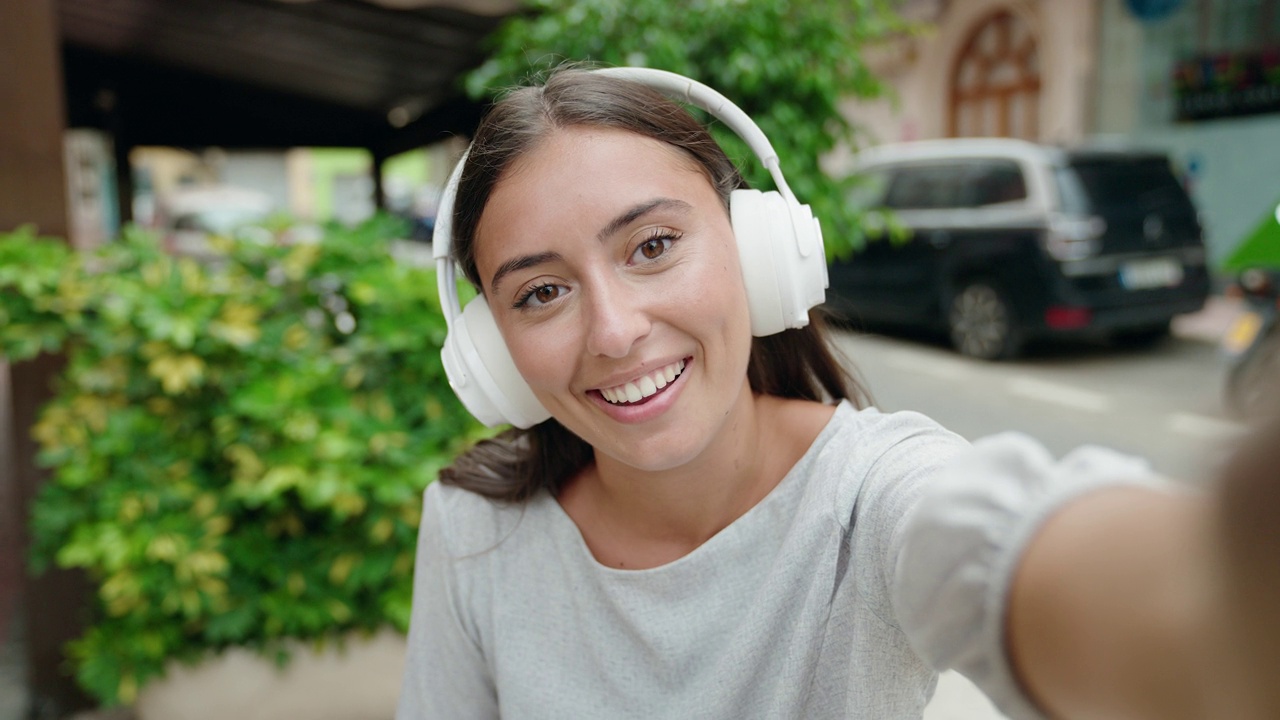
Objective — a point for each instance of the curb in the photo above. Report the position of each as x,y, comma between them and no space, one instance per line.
1211,323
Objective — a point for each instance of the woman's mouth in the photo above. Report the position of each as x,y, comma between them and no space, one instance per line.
643,387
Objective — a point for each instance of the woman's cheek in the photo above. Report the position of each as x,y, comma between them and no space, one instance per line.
544,351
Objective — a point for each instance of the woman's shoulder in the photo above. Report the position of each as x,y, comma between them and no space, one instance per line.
872,431
468,522
870,457
854,437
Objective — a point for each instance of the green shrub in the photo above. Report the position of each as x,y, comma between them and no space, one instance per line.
237,449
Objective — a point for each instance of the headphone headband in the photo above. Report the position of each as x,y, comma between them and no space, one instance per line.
442,245
675,86
692,92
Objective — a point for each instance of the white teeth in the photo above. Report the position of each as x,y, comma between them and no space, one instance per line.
643,387
633,392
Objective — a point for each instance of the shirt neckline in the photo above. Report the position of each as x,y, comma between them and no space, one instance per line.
566,525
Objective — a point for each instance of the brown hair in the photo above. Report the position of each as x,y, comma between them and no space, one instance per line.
799,363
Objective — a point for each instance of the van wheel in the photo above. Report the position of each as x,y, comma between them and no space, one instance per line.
981,323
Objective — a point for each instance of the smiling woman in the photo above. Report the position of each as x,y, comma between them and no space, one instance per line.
696,514
629,284
651,216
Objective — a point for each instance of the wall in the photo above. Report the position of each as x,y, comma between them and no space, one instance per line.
92,207
919,70
1230,163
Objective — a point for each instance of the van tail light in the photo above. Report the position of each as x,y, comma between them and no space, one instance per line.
1074,238
1059,317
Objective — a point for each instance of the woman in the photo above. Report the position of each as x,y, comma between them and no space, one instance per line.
712,525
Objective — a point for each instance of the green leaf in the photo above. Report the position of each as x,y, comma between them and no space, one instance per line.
212,517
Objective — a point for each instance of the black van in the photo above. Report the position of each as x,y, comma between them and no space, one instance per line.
1008,240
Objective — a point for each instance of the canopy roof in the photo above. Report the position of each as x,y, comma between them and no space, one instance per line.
380,74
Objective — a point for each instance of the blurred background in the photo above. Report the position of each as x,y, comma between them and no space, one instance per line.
196,119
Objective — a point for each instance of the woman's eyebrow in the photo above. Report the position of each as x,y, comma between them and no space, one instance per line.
520,263
639,211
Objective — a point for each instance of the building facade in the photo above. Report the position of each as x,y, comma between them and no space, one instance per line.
1199,79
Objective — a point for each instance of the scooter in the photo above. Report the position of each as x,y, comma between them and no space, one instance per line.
1252,345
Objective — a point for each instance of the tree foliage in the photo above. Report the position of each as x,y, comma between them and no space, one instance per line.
788,63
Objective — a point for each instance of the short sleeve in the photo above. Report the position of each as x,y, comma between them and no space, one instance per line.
962,543
445,674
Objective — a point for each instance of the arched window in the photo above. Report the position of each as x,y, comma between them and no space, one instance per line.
995,83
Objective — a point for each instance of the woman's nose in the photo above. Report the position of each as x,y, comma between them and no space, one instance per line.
616,320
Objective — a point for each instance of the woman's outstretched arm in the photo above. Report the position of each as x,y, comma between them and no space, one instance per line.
1108,608
1135,603
1089,587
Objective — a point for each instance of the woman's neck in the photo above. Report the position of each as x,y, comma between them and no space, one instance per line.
636,519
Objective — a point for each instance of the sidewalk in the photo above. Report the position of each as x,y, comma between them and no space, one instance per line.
1211,323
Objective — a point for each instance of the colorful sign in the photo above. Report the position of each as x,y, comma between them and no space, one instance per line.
1227,85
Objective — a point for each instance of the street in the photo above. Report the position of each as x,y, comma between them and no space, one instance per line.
1163,403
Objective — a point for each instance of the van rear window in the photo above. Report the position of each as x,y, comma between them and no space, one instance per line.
1096,184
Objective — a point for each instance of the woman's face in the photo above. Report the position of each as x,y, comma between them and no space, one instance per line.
610,266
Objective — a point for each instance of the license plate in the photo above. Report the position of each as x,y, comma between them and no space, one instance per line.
1242,332
1152,273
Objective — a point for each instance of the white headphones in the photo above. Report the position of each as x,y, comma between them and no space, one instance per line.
779,242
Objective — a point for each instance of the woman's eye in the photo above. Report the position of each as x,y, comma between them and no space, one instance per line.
654,247
651,249
539,295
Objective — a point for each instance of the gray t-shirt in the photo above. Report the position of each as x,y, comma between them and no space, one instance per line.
838,596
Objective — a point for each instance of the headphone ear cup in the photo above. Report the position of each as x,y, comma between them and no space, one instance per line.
483,374
783,261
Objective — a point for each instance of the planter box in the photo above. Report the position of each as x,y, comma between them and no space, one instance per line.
357,679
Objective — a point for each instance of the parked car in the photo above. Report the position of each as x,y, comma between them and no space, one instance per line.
1007,241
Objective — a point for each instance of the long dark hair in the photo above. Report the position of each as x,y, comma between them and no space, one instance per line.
799,363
